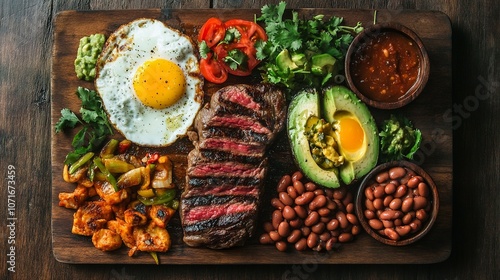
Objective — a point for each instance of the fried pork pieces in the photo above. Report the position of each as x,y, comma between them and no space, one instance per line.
227,168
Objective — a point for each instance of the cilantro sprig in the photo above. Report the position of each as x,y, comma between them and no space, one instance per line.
96,127
302,38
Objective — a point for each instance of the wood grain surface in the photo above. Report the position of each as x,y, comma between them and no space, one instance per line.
26,40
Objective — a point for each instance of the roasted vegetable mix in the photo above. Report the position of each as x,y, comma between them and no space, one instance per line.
122,198
398,139
302,52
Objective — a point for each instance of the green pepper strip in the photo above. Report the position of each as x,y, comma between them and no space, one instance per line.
174,204
155,257
109,149
111,179
166,197
80,162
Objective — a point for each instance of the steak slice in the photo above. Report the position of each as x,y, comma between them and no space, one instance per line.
227,168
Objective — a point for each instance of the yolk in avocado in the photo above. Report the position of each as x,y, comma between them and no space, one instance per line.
351,134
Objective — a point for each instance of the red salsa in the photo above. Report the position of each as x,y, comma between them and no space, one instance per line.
386,67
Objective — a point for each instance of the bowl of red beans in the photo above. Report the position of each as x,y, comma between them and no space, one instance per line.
397,203
387,65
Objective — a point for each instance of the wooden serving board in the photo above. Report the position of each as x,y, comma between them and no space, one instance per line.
427,113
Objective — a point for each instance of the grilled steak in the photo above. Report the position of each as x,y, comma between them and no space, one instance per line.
226,170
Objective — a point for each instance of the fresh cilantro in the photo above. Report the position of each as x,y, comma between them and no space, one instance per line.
309,37
232,34
235,58
68,120
204,49
96,127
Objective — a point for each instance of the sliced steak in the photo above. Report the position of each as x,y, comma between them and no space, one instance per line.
227,168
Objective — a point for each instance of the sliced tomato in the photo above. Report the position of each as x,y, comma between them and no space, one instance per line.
212,32
222,50
212,70
249,30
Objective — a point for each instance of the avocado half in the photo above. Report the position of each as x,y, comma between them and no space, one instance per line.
333,104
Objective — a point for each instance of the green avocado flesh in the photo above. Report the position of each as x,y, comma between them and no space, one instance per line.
333,104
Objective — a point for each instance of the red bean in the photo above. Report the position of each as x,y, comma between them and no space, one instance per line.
350,208
352,218
300,211
415,225
304,198
324,212
347,199
398,222
319,192
265,239
284,183
285,198
382,177
289,213
387,200
296,223
390,188
311,219
275,236
268,226
318,228
369,193
407,204
421,214
403,230
301,245
392,234
330,244
376,224
388,223
401,191
355,230
330,204
312,240
395,204
281,246
388,215
310,186
333,224
413,182
297,176
318,202
345,237
341,217
305,230
419,202
423,189
325,236
284,229
299,187
407,219
379,191
292,192
369,214
276,218
339,193
294,236
397,173
276,203
378,204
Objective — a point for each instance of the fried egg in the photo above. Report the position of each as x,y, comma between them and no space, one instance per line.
148,77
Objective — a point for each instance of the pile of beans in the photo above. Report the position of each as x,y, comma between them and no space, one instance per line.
308,216
397,203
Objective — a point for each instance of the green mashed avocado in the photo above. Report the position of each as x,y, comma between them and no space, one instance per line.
88,51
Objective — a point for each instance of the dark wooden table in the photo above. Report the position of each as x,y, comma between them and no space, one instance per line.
26,38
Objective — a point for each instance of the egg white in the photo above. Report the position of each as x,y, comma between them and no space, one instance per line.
125,51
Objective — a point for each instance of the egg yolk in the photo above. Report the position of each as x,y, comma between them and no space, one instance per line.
159,83
351,134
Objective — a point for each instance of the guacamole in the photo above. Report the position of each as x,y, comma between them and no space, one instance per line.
88,51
